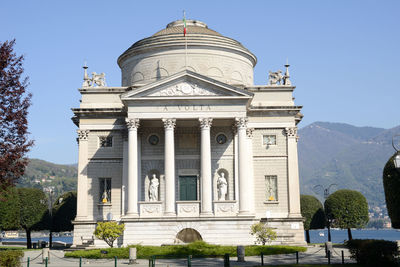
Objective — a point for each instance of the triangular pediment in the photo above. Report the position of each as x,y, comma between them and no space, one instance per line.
186,84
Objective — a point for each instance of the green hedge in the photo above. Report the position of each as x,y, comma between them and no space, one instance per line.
371,252
196,249
11,258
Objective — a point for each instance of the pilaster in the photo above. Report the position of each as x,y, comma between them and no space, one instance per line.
293,172
82,208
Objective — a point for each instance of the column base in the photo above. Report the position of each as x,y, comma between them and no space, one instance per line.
131,215
206,214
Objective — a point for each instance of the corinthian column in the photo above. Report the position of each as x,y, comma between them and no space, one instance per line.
293,172
81,211
244,184
250,177
169,168
132,125
206,182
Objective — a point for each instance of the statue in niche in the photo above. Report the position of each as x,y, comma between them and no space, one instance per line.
222,187
153,188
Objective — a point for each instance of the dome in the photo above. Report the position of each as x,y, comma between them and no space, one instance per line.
203,50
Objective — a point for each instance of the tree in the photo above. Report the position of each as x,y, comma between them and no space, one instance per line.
109,231
313,212
32,208
64,212
263,233
14,104
347,209
391,184
9,209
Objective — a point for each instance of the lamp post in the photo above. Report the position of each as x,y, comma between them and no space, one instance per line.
326,195
50,191
397,148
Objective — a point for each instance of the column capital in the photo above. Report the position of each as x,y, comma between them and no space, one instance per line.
249,132
205,123
132,123
291,131
169,123
241,122
83,135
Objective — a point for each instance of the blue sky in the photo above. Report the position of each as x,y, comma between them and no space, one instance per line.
344,55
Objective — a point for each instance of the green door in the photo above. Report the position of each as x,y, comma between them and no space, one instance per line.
187,187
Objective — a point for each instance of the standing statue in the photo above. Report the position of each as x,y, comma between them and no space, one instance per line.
275,77
99,79
222,186
153,188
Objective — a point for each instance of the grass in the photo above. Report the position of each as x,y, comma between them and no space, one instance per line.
313,265
196,249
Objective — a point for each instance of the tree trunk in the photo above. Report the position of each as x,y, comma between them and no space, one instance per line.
349,234
28,239
308,236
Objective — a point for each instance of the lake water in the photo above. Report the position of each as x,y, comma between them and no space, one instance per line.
338,236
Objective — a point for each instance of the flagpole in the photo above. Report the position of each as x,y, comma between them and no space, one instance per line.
184,26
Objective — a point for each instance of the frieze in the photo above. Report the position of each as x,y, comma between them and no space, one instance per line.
185,89
187,108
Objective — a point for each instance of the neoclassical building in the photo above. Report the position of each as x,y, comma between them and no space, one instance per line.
188,147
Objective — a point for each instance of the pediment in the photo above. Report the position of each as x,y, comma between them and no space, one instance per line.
186,84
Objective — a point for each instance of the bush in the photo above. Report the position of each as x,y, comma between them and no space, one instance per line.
372,252
11,258
109,231
263,233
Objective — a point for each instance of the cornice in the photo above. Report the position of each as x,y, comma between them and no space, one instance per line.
96,90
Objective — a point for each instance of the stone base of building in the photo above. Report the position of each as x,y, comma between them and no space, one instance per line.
222,231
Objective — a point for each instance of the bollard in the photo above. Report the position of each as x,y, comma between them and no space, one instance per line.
297,257
150,262
262,259
342,257
115,261
328,247
226,260
240,253
46,262
80,261
329,257
189,260
27,263
45,255
153,261
132,256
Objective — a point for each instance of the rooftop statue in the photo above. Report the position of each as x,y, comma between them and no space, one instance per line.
96,79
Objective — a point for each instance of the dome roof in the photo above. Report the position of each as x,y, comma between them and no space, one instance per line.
198,34
192,27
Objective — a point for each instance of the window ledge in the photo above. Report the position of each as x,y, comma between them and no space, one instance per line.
104,204
271,202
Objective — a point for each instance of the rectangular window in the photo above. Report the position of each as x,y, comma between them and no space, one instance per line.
105,141
269,140
105,190
271,186
187,187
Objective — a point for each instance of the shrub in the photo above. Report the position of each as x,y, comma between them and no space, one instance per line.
109,231
372,252
11,258
263,233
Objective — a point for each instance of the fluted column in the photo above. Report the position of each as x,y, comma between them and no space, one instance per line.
293,172
206,181
169,166
132,125
82,207
244,185
249,132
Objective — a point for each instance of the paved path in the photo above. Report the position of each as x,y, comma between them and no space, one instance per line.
312,256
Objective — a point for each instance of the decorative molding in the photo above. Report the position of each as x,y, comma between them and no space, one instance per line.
169,123
150,209
291,131
249,132
185,89
188,209
132,123
225,208
205,123
241,123
83,135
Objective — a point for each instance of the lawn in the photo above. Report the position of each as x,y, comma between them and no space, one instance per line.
196,249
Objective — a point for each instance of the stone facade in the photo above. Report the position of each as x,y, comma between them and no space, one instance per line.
186,117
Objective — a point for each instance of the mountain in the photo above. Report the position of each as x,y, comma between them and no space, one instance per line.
40,173
350,157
